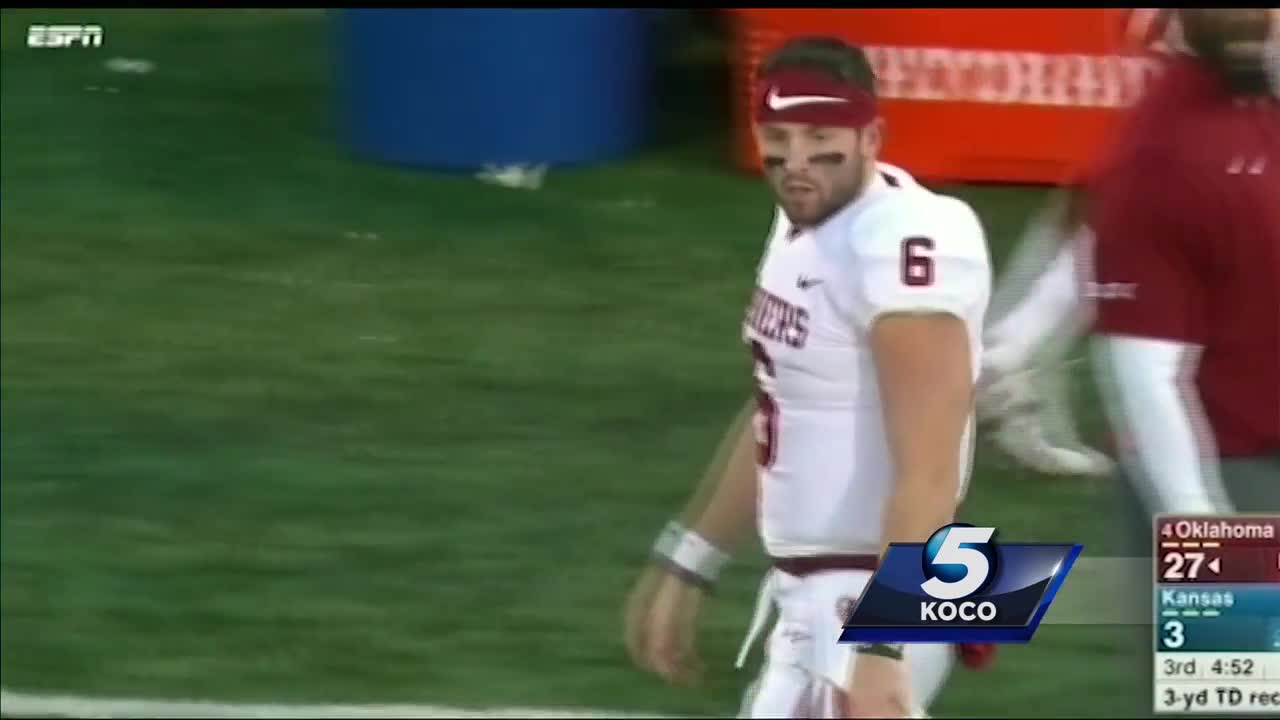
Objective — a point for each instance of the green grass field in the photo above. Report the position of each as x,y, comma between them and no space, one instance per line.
281,425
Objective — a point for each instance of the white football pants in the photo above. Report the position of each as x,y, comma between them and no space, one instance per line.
805,668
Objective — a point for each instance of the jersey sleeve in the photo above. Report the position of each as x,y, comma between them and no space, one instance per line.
1148,273
929,257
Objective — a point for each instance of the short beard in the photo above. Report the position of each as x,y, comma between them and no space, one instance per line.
1249,81
1243,76
1271,65
843,193
854,191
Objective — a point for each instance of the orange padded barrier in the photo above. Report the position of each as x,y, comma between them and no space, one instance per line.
1010,95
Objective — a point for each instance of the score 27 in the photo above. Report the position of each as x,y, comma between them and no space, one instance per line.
1182,565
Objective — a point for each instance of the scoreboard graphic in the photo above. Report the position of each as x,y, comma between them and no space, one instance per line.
1217,614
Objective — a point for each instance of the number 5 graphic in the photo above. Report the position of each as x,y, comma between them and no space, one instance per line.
953,552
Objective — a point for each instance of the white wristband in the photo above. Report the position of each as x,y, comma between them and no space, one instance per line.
695,554
667,540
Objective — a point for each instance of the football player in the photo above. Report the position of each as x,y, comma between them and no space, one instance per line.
865,328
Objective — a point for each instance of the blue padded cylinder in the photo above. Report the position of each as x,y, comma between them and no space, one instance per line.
460,89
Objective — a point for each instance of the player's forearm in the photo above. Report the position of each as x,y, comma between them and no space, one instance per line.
723,508
919,506
926,393
696,547
1149,400
1044,307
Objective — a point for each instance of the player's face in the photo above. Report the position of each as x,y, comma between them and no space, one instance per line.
815,170
1233,39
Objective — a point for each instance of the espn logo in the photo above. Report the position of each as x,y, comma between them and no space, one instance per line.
62,36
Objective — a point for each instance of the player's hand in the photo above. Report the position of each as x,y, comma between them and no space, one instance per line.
1022,417
636,613
1024,439
878,687
669,630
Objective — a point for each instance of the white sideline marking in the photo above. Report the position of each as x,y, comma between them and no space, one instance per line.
19,704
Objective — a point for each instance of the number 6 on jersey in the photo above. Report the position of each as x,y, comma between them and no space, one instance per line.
917,266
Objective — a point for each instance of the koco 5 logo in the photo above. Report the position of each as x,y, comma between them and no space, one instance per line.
959,561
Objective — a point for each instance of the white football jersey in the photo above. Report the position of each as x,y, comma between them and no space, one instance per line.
825,467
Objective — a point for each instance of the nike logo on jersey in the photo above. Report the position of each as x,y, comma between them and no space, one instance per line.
779,103
804,282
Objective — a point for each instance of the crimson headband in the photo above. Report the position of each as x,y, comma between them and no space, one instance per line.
814,98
